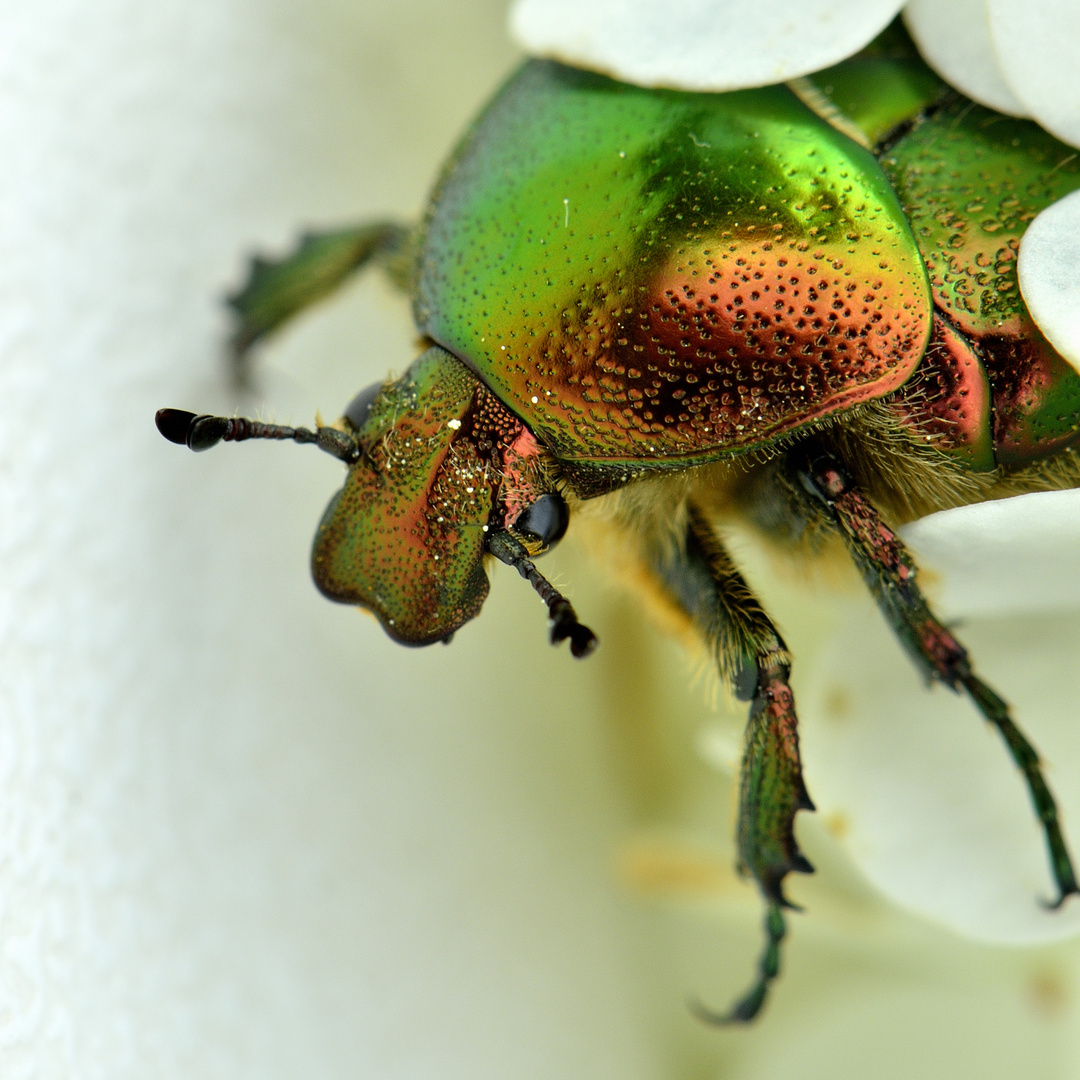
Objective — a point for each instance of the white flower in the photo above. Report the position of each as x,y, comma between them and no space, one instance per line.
699,44
1049,271
1017,56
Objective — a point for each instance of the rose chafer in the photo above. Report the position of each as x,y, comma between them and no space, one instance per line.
795,305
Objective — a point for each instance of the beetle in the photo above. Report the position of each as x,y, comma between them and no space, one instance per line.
796,306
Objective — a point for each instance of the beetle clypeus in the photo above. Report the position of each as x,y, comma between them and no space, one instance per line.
795,305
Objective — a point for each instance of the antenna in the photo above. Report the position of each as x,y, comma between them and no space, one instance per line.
200,432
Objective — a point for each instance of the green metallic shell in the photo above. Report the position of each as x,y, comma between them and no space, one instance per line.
970,180
650,274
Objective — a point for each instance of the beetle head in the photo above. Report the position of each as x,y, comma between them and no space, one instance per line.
441,474
442,467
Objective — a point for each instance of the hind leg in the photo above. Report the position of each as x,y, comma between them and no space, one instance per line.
699,576
890,573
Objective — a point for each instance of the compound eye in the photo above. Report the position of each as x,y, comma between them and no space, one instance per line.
357,411
545,520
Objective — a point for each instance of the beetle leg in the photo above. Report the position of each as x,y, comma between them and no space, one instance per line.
564,621
889,571
753,658
278,289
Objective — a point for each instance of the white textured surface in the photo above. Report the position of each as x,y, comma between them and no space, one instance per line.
1049,272
954,38
699,44
241,833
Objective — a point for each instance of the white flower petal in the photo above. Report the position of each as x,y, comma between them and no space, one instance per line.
1038,47
1049,271
699,44
954,39
1013,555
922,791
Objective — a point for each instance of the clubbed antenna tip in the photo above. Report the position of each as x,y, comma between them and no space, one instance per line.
200,432
190,430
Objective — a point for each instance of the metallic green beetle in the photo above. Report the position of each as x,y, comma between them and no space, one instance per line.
795,305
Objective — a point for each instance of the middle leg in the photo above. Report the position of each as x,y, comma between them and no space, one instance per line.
699,576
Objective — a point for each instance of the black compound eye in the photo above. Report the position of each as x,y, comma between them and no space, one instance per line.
357,411
546,520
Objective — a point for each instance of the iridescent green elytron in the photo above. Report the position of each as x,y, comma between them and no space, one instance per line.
796,306
642,273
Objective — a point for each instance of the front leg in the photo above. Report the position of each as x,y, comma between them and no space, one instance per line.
277,290
890,573
701,578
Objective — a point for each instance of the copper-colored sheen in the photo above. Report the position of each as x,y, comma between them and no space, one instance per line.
949,398
645,274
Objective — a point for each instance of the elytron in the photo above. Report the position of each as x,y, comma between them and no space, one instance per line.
795,306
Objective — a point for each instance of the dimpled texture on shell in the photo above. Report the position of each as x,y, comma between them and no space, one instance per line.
647,274
404,537
971,180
